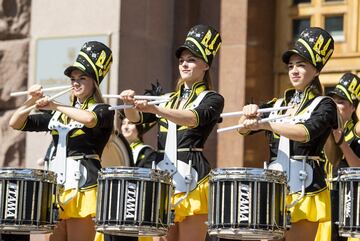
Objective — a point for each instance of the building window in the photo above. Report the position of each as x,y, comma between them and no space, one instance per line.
301,1
299,25
335,26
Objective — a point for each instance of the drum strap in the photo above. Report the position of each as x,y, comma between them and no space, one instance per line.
184,176
136,151
299,174
61,164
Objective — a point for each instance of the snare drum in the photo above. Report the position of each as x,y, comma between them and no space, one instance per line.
349,202
27,200
133,201
247,203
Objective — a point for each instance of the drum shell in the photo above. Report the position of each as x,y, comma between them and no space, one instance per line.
27,200
247,203
133,201
349,202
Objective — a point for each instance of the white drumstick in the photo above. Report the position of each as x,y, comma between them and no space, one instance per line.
20,93
149,97
230,128
138,97
122,107
50,99
265,110
110,96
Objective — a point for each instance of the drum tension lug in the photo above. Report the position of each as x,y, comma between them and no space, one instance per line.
288,220
172,217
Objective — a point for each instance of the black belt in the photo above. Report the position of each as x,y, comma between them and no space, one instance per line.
88,156
190,149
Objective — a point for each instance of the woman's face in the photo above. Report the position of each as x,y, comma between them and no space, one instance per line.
83,85
191,68
346,109
301,72
129,130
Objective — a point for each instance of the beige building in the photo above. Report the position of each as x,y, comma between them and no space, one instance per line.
143,35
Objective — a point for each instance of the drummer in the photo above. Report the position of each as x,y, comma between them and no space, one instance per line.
143,155
301,137
344,139
185,123
84,143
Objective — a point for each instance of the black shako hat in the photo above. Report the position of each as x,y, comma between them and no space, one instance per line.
348,88
203,41
315,45
94,60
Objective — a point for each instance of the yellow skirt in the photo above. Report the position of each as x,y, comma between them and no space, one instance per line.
80,206
314,208
195,203
324,231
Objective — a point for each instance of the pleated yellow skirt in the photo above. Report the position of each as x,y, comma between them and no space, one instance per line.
80,206
195,203
314,207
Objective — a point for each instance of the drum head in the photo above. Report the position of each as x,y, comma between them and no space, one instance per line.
117,152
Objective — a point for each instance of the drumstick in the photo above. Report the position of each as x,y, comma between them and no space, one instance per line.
20,93
122,107
138,97
260,121
265,110
149,97
50,99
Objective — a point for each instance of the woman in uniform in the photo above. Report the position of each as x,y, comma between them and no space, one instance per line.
185,123
296,143
143,155
88,125
342,149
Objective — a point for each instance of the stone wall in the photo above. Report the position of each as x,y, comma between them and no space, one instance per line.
14,52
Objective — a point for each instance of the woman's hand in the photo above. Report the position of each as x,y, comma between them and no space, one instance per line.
45,104
252,124
127,96
35,92
143,106
251,111
338,136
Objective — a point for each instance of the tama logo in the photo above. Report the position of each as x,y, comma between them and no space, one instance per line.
348,205
244,203
131,200
11,197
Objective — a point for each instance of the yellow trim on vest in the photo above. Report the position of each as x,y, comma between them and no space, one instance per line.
76,133
22,128
307,133
88,187
163,129
197,119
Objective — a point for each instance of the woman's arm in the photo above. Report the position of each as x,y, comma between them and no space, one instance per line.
351,158
83,116
179,117
293,132
18,119
332,151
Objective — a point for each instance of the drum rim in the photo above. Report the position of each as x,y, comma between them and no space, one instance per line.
351,173
27,174
243,173
134,173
